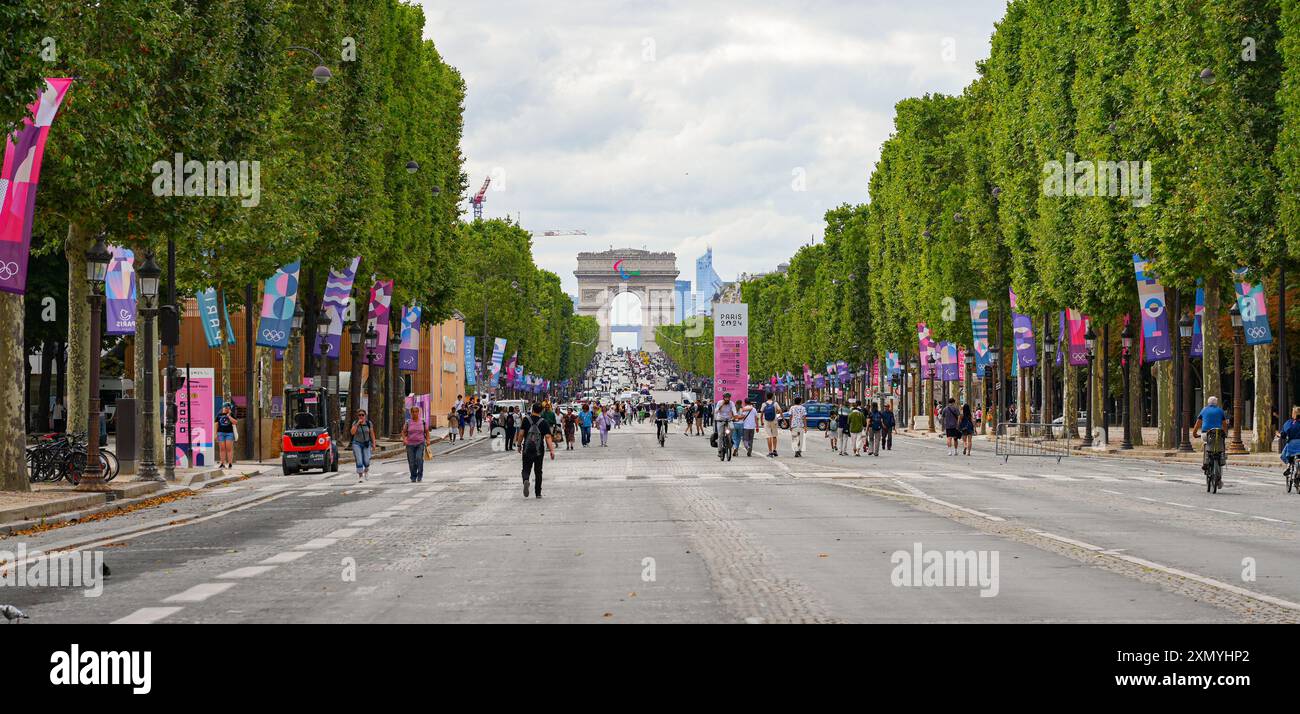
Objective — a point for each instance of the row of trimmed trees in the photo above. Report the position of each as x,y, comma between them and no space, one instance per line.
967,201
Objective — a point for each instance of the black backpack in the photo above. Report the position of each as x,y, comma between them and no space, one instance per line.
535,435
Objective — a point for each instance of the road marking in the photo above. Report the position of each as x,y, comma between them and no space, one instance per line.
318,543
383,514
762,476
1210,581
1220,510
364,522
199,593
1270,520
1106,490
286,557
1063,539
1152,500
343,533
399,490
412,501
921,494
753,620
250,571
1095,477
400,507
1004,477
146,615
1180,505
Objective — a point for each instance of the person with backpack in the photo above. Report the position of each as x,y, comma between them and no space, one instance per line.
415,435
951,418
887,435
875,424
842,426
771,410
510,422
363,440
534,441
749,423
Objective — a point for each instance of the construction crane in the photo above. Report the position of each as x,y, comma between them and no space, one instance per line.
564,233
479,197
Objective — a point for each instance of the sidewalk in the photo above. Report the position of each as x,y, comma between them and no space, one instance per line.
1149,436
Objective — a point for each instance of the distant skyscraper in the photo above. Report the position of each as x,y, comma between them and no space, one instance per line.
685,304
707,282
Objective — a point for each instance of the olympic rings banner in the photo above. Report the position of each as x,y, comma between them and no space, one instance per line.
408,358
19,176
979,328
119,291
1155,318
381,298
278,302
1254,311
338,290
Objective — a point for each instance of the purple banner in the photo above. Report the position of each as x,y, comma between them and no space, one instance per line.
1155,318
119,292
1022,330
338,289
1198,333
20,174
381,298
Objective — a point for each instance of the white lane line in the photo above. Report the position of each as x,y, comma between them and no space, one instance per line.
199,593
146,615
1057,477
1117,493
383,514
399,490
1063,539
343,533
1210,581
761,476
1152,500
286,557
1180,505
1004,477
364,522
250,571
1270,520
398,507
412,502
1096,477
1148,479
318,543
918,493
1220,510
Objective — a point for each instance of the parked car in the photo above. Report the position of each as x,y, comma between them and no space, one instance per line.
820,416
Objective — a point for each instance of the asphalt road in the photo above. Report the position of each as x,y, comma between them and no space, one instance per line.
639,533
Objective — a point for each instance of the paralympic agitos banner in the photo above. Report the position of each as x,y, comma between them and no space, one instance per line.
1022,331
381,300
119,292
278,302
1155,318
20,175
338,290
408,358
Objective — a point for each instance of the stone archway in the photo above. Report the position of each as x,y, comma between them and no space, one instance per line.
652,276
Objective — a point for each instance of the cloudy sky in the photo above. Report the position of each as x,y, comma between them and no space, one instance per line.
683,124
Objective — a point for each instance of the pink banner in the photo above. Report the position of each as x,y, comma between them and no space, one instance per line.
381,299
731,366
20,174
194,418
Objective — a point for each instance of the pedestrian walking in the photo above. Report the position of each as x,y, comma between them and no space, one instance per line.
511,425
875,425
462,416
770,413
887,418
966,425
585,420
415,435
857,423
534,441
363,441
227,435
798,426
603,424
951,418
570,422
453,424
749,424
841,425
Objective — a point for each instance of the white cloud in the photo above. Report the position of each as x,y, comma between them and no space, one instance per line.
677,125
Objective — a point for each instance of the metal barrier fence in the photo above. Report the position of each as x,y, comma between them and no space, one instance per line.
1051,440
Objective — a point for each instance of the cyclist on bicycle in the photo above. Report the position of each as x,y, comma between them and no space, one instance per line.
1290,435
661,420
1211,418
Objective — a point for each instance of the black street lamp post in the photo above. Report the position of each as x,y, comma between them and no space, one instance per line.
97,259
1126,343
372,361
394,394
148,276
1090,340
354,384
1185,423
995,368
1238,401
932,355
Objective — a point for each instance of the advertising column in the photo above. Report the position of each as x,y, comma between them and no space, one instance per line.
731,350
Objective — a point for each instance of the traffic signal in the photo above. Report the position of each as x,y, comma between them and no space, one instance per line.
175,379
169,325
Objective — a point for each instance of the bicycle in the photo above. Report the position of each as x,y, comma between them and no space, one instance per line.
1215,457
724,441
1292,475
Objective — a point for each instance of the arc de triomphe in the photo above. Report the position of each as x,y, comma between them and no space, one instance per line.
599,282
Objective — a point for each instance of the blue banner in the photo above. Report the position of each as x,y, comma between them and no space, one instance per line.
470,378
278,302
1254,311
210,314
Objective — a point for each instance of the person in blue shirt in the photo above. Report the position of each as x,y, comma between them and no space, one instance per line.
1211,417
1290,436
584,422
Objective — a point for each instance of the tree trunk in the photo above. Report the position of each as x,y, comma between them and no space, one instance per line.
1070,397
1135,398
224,352
1097,397
76,399
13,435
1165,404
1264,425
1210,369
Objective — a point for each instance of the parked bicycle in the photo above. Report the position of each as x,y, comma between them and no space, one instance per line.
59,456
